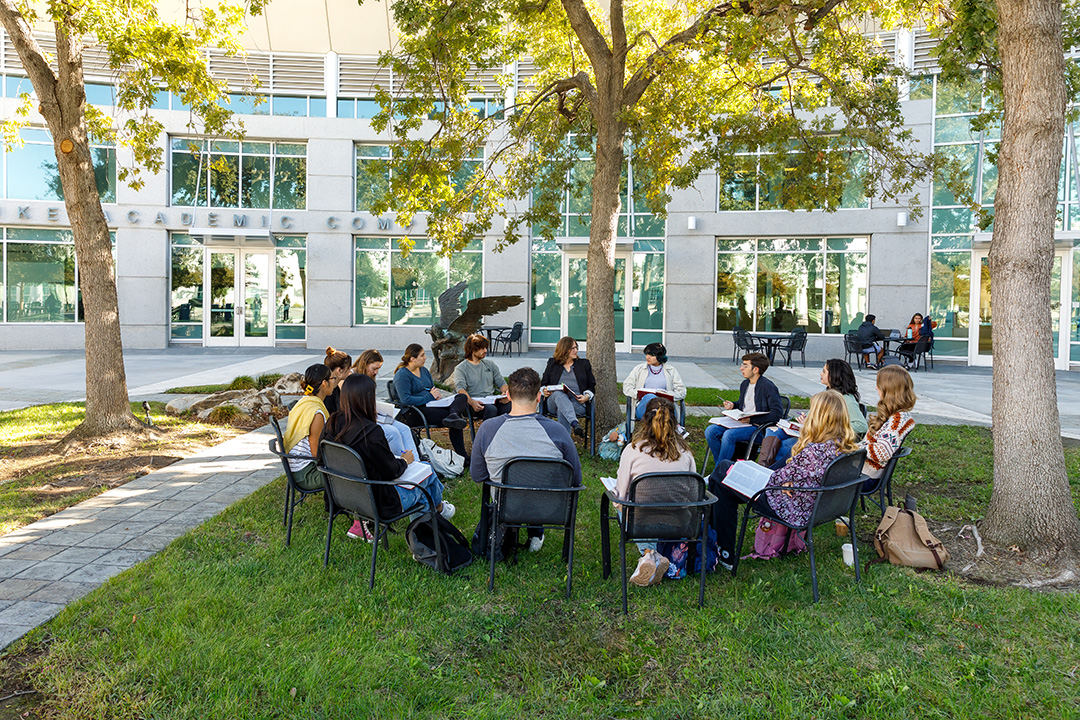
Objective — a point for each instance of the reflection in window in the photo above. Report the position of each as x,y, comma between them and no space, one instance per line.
187,289
291,291
780,284
257,175
31,172
392,287
546,308
372,174
950,294
40,282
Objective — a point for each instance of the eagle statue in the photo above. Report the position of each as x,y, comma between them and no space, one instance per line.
448,335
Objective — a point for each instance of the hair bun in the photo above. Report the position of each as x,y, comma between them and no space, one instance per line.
330,351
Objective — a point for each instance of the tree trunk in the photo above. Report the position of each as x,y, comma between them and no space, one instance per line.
1031,506
107,407
600,289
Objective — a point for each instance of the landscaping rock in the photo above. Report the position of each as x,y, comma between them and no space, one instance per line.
291,384
219,398
180,405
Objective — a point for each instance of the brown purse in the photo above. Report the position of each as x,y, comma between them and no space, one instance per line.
903,539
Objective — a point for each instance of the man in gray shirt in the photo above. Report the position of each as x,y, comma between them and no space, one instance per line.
476,377
521,433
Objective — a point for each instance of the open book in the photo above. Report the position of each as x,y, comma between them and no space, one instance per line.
791,427
385,409
609,483
730,418
489,399
747,478
558,387
642,392
444,401
415,474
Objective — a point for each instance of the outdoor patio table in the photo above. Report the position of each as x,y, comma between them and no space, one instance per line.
770,342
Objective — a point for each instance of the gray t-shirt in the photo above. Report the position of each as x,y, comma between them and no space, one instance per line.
570,380
478,380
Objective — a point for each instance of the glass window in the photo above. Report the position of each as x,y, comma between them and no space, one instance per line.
346,108
648,292
950,299
546,308
779,284
187,292
372,174
372,288
40,282
258,175
416,280
294,106
291,287
966,156
31,172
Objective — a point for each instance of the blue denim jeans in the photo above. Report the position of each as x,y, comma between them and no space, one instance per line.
722,440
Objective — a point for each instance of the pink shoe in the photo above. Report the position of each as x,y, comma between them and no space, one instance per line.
359,531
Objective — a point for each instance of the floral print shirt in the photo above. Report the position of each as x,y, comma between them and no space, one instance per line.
803,470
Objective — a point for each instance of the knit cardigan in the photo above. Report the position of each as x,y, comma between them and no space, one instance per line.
881,445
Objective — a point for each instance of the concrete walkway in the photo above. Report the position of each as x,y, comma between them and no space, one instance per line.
54,561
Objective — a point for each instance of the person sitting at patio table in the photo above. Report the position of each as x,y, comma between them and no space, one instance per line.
479,376
566,368
756,394
653,374
869,334
917,328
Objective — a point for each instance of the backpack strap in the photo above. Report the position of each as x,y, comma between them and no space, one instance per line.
926,537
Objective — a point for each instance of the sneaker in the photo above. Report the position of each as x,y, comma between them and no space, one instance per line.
448,510
455,421
535,543
359,531
578,430
871,366
682,432
645,570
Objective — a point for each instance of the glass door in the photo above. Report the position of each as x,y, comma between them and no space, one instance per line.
238,286
221,283
574,303
981,329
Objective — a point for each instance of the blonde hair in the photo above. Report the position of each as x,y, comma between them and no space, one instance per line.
366,358
896,394
828,419
656,434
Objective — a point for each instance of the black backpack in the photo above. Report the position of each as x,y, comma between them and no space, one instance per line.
455,553
506,543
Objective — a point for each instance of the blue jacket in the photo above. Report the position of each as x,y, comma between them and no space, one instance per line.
766,399
414,390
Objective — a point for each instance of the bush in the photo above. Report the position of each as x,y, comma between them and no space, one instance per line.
224,414
243,382
267,379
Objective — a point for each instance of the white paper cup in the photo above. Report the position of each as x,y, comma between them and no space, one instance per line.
849,554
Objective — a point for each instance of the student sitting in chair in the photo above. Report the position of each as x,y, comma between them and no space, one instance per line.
756,394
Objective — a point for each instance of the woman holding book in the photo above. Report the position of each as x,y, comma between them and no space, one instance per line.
892,421
654,374
836,374
355,425
657,447
415,386
573,373
826,434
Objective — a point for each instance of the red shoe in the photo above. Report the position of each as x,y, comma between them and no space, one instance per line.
359,531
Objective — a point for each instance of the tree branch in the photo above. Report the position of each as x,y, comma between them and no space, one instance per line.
590,36
33,57
618,30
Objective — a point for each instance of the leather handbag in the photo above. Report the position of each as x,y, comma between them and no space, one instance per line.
902,538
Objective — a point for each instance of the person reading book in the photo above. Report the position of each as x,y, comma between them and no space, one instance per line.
835,374
415,386
825,435
356,426
566,369
655,374
757,394
657,446
477,376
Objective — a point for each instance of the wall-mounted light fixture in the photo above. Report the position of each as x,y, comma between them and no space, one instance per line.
901,219
691,223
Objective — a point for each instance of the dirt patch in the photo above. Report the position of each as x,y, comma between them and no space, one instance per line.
38,478
18,698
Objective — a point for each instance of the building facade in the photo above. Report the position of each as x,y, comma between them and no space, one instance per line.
270,242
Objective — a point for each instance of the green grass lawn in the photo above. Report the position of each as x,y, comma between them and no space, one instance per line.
229,623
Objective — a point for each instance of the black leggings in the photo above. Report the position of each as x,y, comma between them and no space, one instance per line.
725,512
435,416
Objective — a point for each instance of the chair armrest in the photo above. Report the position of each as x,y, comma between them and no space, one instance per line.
289,456
800,488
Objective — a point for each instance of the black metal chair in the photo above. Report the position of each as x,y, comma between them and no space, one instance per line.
835,499
796,343
658,507
748,448
589,417
680,407
914,353
744,342
535,493
882,487
853,346
408,413
507,338
351,492
294,494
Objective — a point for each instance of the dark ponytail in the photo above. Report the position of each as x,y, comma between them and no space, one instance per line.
315,376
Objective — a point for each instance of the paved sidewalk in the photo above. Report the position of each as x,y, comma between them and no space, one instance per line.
52,562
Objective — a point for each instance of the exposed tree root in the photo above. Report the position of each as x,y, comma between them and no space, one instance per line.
124,433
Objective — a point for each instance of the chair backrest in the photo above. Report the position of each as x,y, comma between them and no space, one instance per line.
515,332
921,345
391,392
890,466
851,342
536,507
277,446
831,504
785,403
798,340
346,479
665,523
